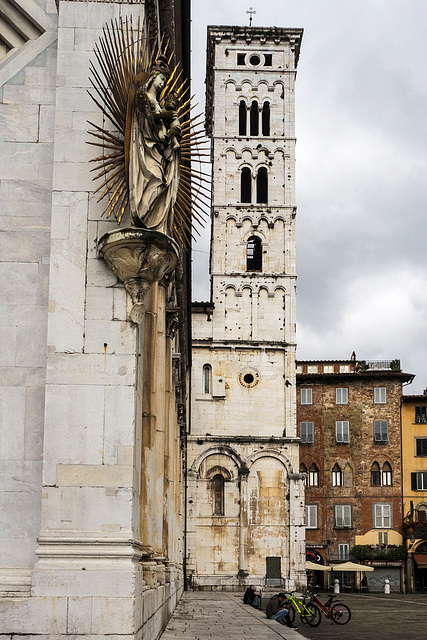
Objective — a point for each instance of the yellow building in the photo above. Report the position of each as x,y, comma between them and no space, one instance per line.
414,472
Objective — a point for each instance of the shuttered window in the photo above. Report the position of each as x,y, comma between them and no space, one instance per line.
380,431
306,396
420,415
341,396
343,516
311,520
380,394
382,516
306,430
342,431
419,481
343,552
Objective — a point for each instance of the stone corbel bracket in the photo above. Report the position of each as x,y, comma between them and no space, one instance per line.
139,258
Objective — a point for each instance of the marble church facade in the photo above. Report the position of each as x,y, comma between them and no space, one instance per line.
93,406
245,493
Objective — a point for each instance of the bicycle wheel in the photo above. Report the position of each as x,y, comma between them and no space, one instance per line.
291,616
340,613
312,616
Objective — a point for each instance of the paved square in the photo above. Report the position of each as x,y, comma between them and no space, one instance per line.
202,615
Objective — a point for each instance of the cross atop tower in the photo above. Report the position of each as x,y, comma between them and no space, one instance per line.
251,12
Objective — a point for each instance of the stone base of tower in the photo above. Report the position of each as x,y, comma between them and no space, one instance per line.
245,514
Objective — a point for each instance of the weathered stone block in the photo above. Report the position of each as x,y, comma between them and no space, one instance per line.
34,615
12,428
75,475
119,421
18,123
118,336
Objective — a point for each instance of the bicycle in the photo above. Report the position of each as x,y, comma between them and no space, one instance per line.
338,612
309,612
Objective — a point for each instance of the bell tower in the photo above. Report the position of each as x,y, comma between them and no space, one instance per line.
245,493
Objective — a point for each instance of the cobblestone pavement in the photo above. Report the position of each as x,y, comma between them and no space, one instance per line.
376,616
203,616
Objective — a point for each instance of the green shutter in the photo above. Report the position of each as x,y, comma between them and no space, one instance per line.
413,481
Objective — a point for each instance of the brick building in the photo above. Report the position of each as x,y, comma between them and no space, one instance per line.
348,415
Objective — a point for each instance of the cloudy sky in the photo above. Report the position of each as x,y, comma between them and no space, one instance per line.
361,126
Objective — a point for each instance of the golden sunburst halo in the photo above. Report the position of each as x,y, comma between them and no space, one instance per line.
125,55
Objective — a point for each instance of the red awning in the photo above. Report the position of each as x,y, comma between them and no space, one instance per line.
421,560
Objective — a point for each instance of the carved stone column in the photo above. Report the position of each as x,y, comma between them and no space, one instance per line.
243,521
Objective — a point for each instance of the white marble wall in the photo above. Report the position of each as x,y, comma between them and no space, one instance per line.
27,96
71,435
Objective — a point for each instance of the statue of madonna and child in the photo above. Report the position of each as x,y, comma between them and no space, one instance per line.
154,152
147,252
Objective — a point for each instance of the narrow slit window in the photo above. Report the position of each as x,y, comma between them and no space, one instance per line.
254,119
254,254
207,378
266,119
243,116
218,495
245,185
262,186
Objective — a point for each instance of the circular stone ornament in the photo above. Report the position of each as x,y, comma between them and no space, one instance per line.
249,378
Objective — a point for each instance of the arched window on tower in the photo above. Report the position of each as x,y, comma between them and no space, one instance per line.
245,185
218,495
314,476
254,254
262,186
375,475
254,119
266,119
207,378
303,469
336,475
386,475
243,117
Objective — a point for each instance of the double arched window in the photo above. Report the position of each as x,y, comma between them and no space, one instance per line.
257,116
312,475
381,477
261,185
254,254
